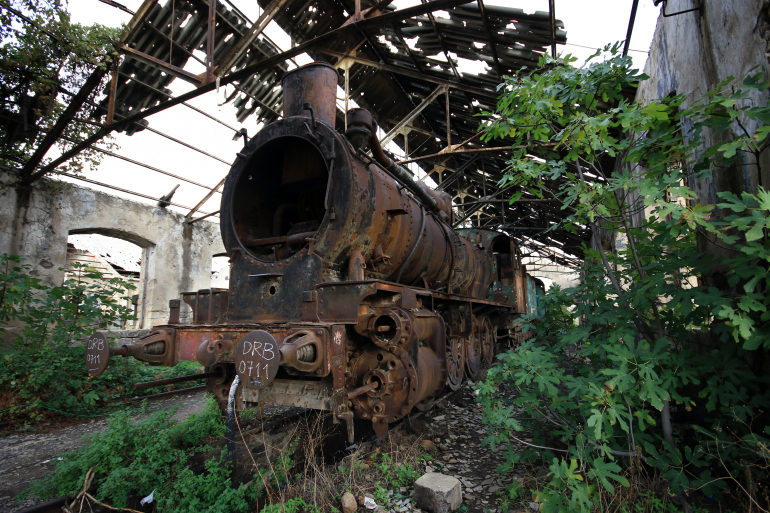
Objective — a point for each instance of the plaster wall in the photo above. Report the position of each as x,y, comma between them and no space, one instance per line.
564,277
693,52
176,257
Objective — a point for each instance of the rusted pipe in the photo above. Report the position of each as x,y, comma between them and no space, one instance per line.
374,385
315,85
298,239
356,266
278,216
292,240
172,381
399,172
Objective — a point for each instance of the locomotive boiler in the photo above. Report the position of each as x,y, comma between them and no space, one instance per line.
349,290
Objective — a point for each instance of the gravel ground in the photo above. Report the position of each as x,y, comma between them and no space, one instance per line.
455,428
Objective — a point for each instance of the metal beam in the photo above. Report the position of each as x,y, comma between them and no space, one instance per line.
165,66
187,145
113,92
456,174
210,46
191,221
247,39
630,30
205,199
336,34
415,129
56,131
552,12
492,45
135,23
196,109
498,149
412,115
147,166
118,189
486,93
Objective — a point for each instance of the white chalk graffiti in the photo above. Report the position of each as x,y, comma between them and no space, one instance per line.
263,352
94,344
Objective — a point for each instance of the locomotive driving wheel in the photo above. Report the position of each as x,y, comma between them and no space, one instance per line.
487,338
455,360
473,351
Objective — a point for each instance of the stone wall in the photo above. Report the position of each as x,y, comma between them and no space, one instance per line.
176,256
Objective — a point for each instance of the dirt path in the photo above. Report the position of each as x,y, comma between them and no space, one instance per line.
28,456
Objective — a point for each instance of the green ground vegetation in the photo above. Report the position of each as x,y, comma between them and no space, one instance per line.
133,458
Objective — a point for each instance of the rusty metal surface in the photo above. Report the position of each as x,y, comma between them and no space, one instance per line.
311,89
209,305
349,290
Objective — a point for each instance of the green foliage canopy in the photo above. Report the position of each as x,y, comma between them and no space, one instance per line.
616,358
43,56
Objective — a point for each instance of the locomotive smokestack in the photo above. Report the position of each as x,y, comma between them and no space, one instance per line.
311,90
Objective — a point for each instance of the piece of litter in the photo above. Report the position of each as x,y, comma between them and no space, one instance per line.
369,503
46,461
59,459
354,446
147,499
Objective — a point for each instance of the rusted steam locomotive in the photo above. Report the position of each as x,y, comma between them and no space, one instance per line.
349,289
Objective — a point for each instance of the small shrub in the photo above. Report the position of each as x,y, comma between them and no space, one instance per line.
132,458
42,364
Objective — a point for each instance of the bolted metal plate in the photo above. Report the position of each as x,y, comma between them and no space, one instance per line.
97,353
257,359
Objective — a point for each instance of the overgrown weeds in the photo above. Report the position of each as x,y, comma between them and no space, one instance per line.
132,459
308,471
43,372
659,353
379,470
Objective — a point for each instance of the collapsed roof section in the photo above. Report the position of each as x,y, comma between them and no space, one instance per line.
425,72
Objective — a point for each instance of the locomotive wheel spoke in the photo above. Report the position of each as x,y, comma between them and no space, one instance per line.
487,336
473,353
455,362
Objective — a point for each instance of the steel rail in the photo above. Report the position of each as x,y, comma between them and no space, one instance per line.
141,164
100,125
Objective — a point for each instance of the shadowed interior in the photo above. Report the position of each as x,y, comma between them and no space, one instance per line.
279,199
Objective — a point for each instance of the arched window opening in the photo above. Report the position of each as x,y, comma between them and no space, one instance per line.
112,257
